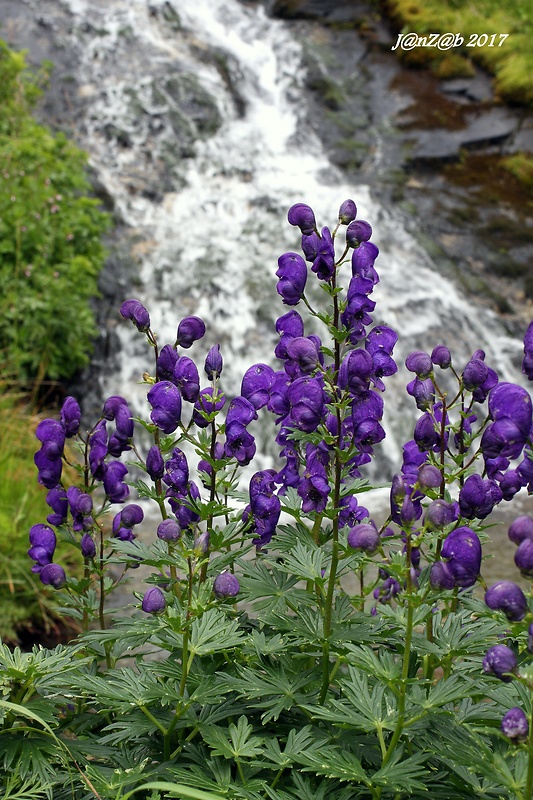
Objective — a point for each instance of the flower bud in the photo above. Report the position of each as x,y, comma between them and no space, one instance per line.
358,231
190,330
439,514
169,530
302,216
136,312
154,601
419,363
213,363
521,528
53,575
515,725
347,212
523,558
88,547
364,536
226,585
508,597
155,466
441,356
500,661
429,477
70,416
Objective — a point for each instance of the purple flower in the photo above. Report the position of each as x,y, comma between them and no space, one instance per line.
521,528
136,312
527,363
523,557
419,363
306,401
256,384
239,443
98,450
515,725
81,506
51,434
350,512
302,216
509,401
292,274
364,537
508,597
478,497
475,374
440,576
347,212
57,500
324,262
70,416
358,231
186,378
154,601
213,363
355,371
303,351
264,505
208,403
177,471
53,575
165,400
423,391
440,514
48,470
314,491
115,489
155,466
166,362
190,330
462,548
43,536
226,585
169,530
441,356
429,477
500,661
88,547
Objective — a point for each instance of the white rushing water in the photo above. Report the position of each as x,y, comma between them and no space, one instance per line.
209,243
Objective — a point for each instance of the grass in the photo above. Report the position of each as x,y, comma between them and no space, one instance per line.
511,63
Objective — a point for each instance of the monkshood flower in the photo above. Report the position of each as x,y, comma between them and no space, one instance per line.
441,356
508,597
256,385
303,352
115,489
57,500
350,512
380,344
168,530
441,577
509,401
48,470
165,400
53,575
264,508
479,381
288,326
515,725
423,392
155,465
527,363
136,312
190,329
347,212
521,528
98,450
181,504
355,371
43,544
501,662
123,530
48,459
213,363
177,471
166,362
305,397
292,274
429,477
70,416
363,259
324,262
478,497
439,514
209,402
303,217
314,491
356,316
154,601
226,585
462,549
88,546
239,444
511,484
523,557
420,363
187,379
358,231
81,506
365,537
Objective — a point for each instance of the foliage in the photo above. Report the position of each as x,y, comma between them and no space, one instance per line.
511,63
50,238
337,660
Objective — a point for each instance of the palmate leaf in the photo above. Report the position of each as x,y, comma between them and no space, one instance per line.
297,741
214,632
384,666
273,689
402,775
334,763
233,743
305,563
174,790
270,590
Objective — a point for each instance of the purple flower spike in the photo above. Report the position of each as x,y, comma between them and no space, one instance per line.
190,330
358,231
136,312
364,537
169,530
154,601
70,416
501,662
165,400
347,212
213,363
515,725
53,575
226,585
506,596
292,274
521,528
303,217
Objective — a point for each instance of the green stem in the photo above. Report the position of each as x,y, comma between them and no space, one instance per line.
529,780
154,720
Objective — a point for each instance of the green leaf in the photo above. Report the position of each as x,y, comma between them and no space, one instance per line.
174,790
214,632
234,742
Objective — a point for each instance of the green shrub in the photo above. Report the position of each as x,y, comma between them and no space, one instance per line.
50,238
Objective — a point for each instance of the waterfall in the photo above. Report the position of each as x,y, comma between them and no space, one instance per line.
193,116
